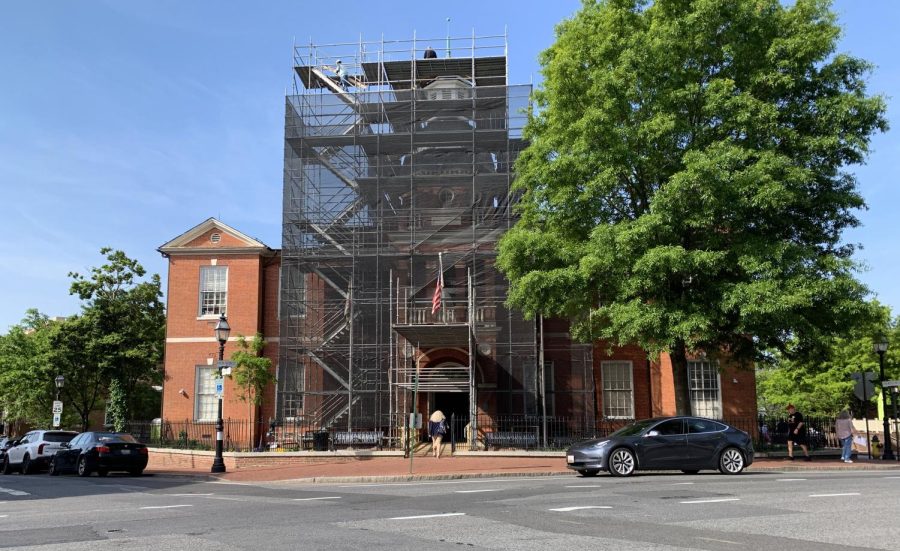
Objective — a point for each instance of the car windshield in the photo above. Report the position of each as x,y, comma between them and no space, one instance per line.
633,429
58,436
113,437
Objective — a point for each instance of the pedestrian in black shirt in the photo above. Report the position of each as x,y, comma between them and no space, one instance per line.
430,53
796,433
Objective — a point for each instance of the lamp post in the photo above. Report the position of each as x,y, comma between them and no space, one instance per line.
222,330
60,381
57,405
880,346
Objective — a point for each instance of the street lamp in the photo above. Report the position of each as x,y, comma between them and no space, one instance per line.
880,346
222,330
60,381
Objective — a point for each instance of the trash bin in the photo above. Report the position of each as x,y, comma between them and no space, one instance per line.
320,441
156,431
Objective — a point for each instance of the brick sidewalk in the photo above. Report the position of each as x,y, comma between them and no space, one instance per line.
383,469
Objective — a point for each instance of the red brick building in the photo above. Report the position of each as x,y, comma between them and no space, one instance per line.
215,269
385,296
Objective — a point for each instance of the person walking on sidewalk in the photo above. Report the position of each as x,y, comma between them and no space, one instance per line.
845,431
437,428
796,433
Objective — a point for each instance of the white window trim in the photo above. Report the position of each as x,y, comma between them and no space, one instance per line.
198,371
603,365
200,314
718,402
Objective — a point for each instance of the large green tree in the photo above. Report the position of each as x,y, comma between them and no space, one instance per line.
685,186
128,321
73,356
27,372
824,386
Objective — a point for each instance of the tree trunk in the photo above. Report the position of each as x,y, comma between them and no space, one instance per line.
680,379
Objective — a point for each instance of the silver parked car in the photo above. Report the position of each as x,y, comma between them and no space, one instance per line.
688,444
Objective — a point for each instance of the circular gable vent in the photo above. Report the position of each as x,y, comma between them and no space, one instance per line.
214,238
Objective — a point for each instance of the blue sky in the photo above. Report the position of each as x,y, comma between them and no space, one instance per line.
124,124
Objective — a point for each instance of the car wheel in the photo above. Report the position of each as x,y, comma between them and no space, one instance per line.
690,471
26,465
136,472
83,469
6,468
52,469
588,472
621,462
102,472
731,461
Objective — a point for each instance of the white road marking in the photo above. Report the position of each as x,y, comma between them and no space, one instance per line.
721,541
476,491
315,498
3,516
892,477
585,486
428,516
835,495
789,479
720,500
166,506
187,495
681,483
569,509
12,492
226,482
471,481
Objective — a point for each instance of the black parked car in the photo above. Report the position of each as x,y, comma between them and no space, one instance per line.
688,444
101,452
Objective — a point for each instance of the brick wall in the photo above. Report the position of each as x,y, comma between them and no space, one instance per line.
251,307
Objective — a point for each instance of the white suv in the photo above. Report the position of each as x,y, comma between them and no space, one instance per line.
35,450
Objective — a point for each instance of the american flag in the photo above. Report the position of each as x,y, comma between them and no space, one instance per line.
439,288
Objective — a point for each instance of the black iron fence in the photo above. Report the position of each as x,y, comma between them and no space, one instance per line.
489,432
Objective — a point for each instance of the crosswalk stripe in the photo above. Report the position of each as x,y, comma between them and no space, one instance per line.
428,516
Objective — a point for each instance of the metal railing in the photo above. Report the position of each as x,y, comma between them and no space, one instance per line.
490,433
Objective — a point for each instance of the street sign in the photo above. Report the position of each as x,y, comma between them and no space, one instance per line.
220,387
415,420
888,384
867,391
56,420
224,364
57,407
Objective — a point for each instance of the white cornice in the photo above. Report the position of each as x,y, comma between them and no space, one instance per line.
179,244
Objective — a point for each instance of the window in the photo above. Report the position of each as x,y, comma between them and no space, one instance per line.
618,390
703,378
205,402
697,426
213,290
672,427
549,388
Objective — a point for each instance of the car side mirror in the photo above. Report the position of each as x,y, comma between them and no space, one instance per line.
651,433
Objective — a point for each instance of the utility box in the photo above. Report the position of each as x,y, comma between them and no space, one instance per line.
320,441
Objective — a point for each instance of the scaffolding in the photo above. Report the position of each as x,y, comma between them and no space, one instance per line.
395,165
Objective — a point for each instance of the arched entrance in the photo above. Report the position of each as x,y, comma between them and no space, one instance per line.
448,392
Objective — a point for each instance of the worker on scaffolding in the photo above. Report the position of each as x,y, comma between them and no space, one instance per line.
341,73
430,53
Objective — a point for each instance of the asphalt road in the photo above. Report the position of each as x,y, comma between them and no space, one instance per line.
767,511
